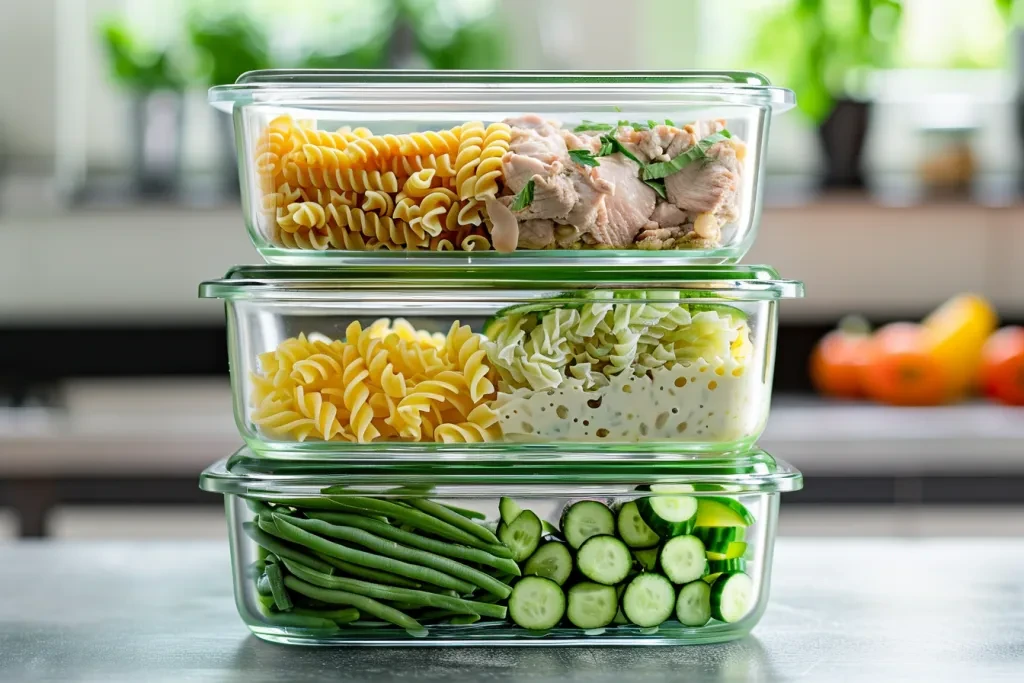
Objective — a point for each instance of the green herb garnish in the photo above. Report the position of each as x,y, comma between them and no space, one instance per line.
524,198
586,125
670,122
698,151
658,186
617,108
583,157
610,145
651,123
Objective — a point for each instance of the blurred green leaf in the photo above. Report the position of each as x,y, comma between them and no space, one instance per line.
227,47
822,49
137,66
456,34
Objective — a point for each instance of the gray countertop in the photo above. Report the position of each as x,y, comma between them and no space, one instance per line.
841,610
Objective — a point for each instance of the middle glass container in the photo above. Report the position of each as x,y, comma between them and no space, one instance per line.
413,360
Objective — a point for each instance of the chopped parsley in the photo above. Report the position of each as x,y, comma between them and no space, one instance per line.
524,198
698,151
586,125
583,157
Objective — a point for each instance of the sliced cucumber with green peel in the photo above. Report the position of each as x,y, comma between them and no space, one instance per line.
717,538
649,600
509,510
647,557
682,559
521,536
731,597
592,605
536,603
552,560
584,519
620,616
604,559
668,516
735,550
720,566
633,529
718,511
693,606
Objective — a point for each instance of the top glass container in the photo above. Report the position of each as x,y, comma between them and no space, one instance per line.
508,166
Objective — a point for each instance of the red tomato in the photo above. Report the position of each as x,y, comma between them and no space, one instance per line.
836,364
902,368
1002,366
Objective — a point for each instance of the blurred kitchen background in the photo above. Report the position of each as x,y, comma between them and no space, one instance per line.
895,186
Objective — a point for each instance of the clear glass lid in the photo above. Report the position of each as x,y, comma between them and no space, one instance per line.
744,283
753,471
330,87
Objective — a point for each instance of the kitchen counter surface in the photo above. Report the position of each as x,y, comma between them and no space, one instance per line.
841,610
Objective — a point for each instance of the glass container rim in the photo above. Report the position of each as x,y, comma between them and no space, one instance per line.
297,85
754,471
744,283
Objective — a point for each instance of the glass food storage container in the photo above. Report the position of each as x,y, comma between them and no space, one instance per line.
511,166
407,360
483,551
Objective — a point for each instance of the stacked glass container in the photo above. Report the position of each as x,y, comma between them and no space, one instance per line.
502,380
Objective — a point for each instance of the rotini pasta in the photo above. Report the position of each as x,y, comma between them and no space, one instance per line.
387,381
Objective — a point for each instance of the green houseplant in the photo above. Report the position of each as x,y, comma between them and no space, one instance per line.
825,50
154,82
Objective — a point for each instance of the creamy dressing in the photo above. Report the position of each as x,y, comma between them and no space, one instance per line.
688,402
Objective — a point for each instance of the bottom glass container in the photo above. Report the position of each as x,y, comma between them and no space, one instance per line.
519,551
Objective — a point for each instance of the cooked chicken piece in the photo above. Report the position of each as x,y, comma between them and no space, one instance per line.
629,204
520,169
663,143
504,226
667,215
707,186
534,137
538,233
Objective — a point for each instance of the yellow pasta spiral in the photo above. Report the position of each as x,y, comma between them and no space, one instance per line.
419,184
342,180
382,228
430,142
489,170
378,202
469,357
481,425
309,240
324,414
470,146
434,209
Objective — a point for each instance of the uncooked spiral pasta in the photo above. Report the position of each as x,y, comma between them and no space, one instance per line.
428,183
386,381
384,229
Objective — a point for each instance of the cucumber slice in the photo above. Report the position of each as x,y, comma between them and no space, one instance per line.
551,561
648,558
649,600
668,516
536,603
682,559
522,536
720,566
633,529
693,606
509,510
731,597
620,617
717,511
604,559
735,550
717,538
584,519
592,605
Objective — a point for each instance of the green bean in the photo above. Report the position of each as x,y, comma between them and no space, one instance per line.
254,570
289,620
344,615
412,597
454,518
360,557
360,602
263,585
464,619
460,552
369,574
276,581
257,506
401,552
421,521
283,549
465,512
317,503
